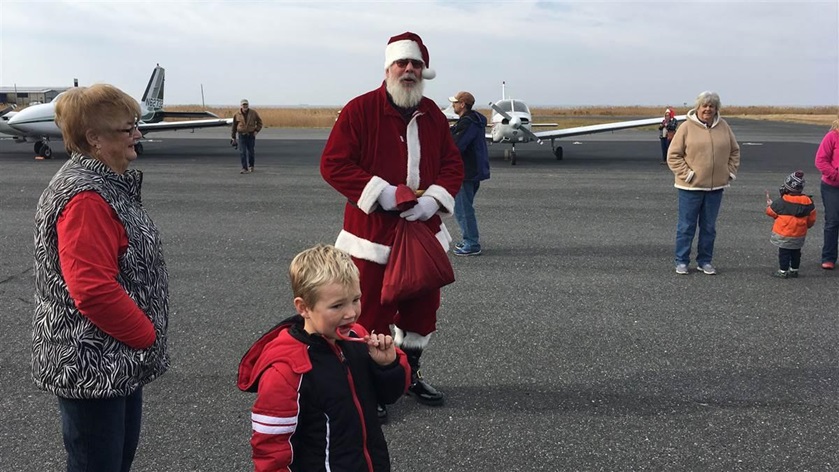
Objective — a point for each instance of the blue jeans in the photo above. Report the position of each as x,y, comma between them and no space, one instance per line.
702,207
464,213
830,199
246,152
665,145
101,435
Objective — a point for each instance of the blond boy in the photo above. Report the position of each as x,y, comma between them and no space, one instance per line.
319,375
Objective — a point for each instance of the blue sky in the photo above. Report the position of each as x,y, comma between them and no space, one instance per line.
319,53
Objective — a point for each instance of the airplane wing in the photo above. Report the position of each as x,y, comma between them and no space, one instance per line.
176,125
601,128
187,114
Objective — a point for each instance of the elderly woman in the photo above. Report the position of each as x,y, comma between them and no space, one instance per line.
704,156
827,162
101,286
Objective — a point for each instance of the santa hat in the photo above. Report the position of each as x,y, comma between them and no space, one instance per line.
408,46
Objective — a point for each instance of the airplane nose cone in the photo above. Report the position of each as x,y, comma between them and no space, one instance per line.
516,122
19,117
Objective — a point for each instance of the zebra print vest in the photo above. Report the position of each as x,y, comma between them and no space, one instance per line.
71,357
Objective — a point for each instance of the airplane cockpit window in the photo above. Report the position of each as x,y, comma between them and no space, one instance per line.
505,105
520,106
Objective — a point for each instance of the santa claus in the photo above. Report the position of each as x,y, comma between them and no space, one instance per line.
386,137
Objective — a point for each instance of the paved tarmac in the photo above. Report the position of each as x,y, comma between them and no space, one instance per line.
571,344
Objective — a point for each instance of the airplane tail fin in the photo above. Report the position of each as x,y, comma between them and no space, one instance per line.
153,96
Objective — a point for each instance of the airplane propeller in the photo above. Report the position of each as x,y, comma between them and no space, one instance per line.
515,123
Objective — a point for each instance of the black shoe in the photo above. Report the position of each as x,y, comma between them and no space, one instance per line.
425,393
381,412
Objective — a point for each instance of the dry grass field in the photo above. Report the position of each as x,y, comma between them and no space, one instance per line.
288,117
564,117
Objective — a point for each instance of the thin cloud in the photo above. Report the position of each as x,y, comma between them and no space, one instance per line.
324,53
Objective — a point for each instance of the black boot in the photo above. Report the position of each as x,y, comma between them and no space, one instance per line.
419,388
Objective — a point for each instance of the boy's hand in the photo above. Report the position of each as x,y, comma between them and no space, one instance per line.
381,348
768,200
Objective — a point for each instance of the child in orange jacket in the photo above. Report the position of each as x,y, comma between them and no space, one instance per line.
794,213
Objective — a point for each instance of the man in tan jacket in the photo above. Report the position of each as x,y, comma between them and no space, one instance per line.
246,124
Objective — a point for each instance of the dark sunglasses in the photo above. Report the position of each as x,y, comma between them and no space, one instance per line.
404,63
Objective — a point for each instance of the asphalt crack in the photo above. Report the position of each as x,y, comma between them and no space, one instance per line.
15,276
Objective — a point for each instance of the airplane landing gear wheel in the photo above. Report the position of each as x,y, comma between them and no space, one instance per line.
558,153
513,157
43,149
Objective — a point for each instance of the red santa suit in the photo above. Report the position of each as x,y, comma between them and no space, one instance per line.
370,148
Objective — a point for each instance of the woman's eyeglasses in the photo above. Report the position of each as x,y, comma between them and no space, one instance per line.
130,130
404,63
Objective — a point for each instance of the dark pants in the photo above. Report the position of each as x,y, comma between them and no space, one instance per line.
665,144
789,258
101,435
830,199
246,149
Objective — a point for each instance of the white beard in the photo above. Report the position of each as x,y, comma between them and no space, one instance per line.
405,97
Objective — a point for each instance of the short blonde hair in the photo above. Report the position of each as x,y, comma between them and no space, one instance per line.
835,125
708,98
318,266
98,107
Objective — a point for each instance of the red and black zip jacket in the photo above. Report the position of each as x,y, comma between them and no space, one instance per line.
316,402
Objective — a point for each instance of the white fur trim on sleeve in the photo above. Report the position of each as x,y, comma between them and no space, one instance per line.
444,198
733,177
369,199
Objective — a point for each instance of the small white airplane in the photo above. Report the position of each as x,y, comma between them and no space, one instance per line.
511,122
36,123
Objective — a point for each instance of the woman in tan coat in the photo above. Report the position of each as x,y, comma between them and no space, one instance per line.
704,157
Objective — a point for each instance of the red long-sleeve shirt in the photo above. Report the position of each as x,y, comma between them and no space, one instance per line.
90,240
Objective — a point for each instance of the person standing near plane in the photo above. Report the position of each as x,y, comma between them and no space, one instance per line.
827,162
470,136
386,137
101,284
667,129
246,125
704,157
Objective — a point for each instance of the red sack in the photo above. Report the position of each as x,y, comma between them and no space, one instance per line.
417,263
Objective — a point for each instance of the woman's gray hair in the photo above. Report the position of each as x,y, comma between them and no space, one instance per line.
708,98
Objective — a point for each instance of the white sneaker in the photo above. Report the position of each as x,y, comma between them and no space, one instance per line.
681,269
707,268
